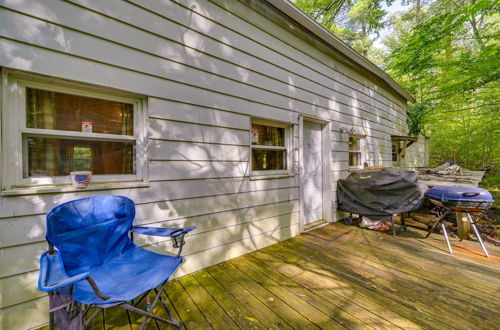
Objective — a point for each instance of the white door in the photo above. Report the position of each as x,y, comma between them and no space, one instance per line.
312,178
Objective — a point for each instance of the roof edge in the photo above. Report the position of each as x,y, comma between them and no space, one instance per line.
295,13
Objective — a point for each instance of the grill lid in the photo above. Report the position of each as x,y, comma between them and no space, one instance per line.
446,193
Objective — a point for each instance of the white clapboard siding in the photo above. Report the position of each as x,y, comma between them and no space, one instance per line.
187,151
31,229
223,17
287,43
32,314
175,13
175,70
206,68
170,209
23,57
220,19
230,191
274,100
195,169
171,130
21,258
215,238
416,154
100,50
165,109
19,288
224,252
338,175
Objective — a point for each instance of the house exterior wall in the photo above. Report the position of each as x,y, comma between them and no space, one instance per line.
417,154
206,68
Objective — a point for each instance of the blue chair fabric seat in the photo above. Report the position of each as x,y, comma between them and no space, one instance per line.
126,277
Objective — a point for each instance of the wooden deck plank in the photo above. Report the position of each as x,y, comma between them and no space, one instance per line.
404,255
400,278
262,313
310,312
116,318
237,311
210,308
185,307
467,251
350,296
407,255
291,316
404,288
343,311
359,291
337,277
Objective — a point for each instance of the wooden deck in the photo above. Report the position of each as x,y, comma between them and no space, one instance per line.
465,179
341,277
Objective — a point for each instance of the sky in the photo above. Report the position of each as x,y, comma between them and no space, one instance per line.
396,6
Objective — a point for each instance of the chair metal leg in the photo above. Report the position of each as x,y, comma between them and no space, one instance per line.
476,231
129,319
103,319
445,232
164,305
150,308
91,317
51,321
150,315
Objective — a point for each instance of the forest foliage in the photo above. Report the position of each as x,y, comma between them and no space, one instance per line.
443,52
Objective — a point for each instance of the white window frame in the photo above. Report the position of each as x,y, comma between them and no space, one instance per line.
361,150
288,147
14,129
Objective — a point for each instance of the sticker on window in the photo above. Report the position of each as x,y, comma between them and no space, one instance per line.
255,136
86,126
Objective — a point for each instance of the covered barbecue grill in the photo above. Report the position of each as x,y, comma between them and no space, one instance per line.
472,201
379,194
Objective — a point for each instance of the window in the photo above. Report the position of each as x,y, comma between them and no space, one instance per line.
60,128
395,151
354,148
269,144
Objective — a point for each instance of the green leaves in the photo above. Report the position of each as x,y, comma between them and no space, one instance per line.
416,118
446,53
450,62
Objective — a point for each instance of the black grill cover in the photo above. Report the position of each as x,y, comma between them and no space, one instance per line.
381,193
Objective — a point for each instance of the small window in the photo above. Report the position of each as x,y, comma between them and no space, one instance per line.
269,147
354,148
60,127
48,110
395,151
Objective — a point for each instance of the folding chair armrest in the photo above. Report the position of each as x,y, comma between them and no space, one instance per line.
162,232
52,275
176,234
63,283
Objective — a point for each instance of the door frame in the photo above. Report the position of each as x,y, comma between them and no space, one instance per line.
326,168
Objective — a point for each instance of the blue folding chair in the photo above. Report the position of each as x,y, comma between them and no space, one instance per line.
92,262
